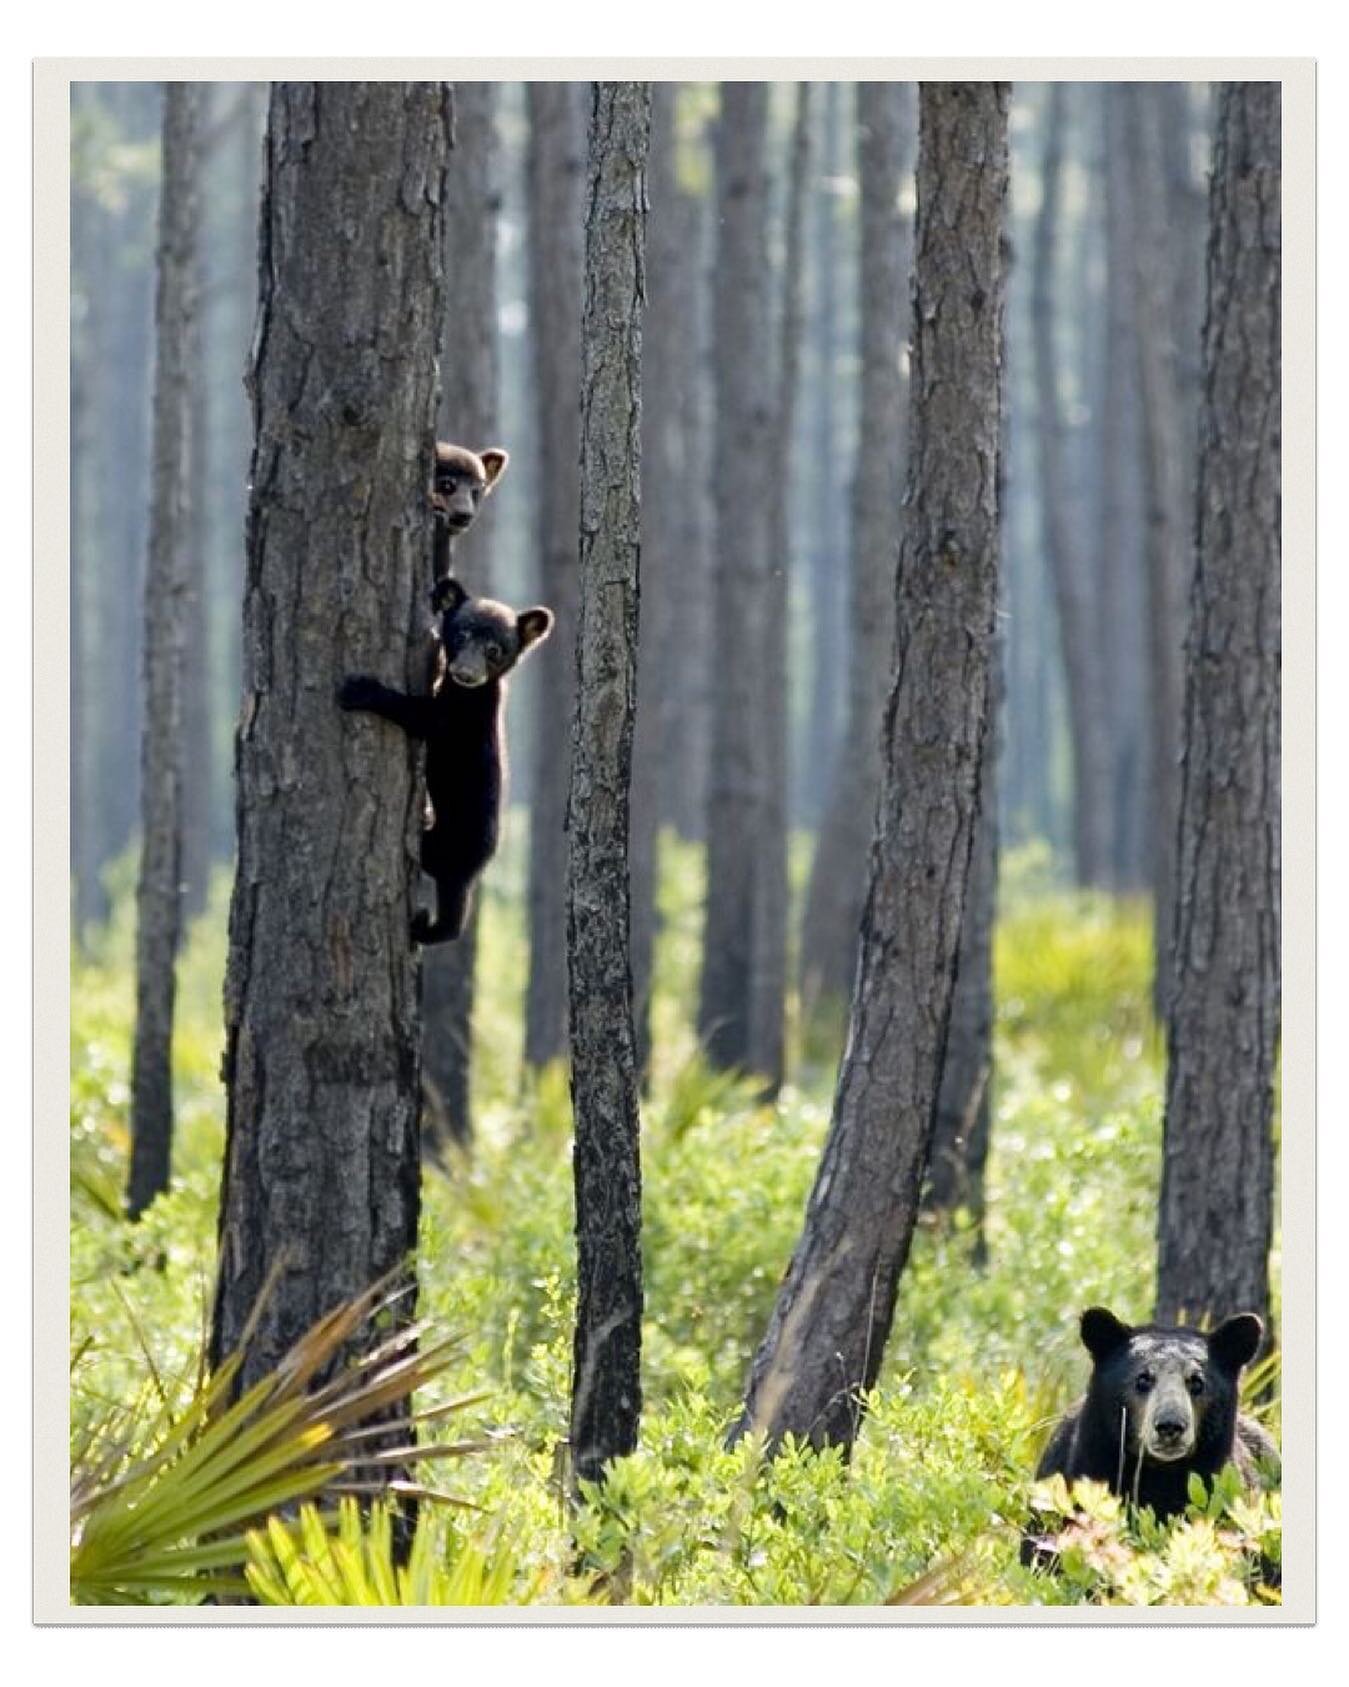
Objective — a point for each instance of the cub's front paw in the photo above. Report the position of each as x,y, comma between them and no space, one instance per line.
358,691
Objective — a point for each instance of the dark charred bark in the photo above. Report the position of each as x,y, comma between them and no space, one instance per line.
1216,1215
606,1377
322,1169
159,899
827,1333
556,167
837,890
469,416
735,788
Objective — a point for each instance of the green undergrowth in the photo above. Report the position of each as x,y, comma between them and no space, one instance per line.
981,1360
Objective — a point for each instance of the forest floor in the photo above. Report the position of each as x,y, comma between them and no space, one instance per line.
981,1359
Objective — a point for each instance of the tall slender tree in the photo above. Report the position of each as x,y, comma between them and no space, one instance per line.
322,1022
606,1377
768,968
743,432
828,1330
1165,449
556,171
469,416
887,129
1216,1216
664,583
169,589
1068,560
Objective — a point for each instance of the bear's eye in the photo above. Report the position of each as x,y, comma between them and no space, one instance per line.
1195,1384
1143,1382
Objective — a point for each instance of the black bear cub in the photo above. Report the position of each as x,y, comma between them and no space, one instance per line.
461,480
480,641
1161,1406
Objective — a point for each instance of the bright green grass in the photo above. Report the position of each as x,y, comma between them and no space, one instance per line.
978,1363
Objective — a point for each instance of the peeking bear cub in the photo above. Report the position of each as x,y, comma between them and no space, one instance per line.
480,641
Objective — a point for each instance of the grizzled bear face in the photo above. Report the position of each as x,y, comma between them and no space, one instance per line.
462,480
483,640
1171,1391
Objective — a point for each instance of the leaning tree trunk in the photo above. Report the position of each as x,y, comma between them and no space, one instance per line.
168,581
768,967
828,1330
1165,449
742,431
469,416
556,191
1067,558
322,1017
1216,1213
606,1378
838,875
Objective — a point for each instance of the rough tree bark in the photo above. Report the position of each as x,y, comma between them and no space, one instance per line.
556,170
768,969
1165,449
469,416
606,1377
1216,1214
837,889
1066,550
735,784
159,898
322,1018
827,1333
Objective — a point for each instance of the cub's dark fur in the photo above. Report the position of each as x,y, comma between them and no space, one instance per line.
461,724
1161,1407
463,478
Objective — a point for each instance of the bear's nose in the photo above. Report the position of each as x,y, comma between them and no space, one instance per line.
1169,1429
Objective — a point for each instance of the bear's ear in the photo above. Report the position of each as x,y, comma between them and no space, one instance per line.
495,462
1102,1333
447,595
1236,1342
533,626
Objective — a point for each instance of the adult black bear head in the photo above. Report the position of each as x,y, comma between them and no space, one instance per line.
462,480
1168,1393
481,639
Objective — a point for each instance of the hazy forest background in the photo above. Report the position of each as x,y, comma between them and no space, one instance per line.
1099,1027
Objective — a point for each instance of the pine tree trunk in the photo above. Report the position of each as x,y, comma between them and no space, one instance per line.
322,1015
1120,605
1168,545
687,761
827,1334
1067,556
768,971
663,585
837,890
556,190
735,792
829,547
1216,1214
159,910
606,1385
469,416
